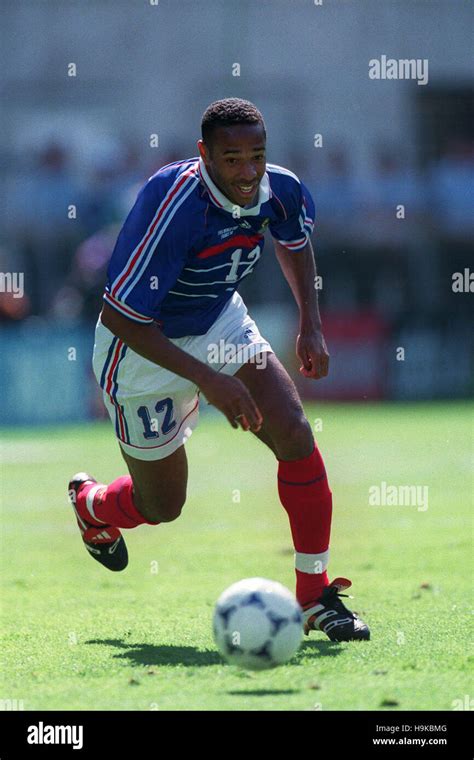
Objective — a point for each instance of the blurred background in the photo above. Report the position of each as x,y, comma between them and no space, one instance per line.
98,95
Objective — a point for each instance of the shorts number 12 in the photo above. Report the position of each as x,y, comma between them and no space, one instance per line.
151,425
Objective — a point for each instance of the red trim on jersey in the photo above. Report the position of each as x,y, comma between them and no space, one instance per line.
236,240
127,310
281,204
209,189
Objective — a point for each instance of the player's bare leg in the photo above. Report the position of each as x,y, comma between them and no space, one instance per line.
285,428
154,492
305,494
159,486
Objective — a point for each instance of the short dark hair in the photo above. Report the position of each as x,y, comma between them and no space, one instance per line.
228,112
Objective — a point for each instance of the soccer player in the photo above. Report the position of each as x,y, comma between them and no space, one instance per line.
170,304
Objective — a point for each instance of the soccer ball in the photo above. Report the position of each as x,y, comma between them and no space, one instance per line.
257,624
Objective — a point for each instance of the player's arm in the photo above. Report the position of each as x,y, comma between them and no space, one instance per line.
226,393
299,269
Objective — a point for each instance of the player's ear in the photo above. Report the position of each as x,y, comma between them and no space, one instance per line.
203,150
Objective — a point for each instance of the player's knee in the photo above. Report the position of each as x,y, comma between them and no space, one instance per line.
171,510
162,509
297,442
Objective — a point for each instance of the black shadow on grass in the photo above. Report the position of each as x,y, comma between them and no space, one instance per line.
147,654
321,648
261,692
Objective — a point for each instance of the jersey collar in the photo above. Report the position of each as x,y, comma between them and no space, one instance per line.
221,201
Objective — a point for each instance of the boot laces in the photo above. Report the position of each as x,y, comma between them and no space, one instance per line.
331,600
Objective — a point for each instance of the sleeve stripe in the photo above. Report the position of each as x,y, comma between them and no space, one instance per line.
131,263
147,244
126,310
163,227
307,223
294,245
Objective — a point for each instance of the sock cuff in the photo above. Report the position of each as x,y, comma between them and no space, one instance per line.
313,564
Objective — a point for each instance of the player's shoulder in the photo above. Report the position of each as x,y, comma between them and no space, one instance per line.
282,178
275,171
172,195
285,185
288,192
177,179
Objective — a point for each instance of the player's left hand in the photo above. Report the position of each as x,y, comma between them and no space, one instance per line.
312,350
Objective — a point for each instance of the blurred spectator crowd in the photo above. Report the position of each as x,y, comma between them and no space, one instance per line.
387,241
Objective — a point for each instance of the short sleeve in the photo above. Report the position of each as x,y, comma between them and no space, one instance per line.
295,229
150,252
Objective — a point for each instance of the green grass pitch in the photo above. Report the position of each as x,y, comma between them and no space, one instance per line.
76,636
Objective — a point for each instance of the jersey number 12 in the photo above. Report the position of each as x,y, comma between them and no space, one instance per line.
254,256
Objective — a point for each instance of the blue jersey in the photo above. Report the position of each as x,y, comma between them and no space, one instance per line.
184,247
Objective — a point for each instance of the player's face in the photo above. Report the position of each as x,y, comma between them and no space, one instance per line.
235,161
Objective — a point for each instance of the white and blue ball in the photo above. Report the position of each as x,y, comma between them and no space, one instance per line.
257,624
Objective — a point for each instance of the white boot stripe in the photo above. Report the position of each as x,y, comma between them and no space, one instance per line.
324,615
90,503
79,517
336,623
312,610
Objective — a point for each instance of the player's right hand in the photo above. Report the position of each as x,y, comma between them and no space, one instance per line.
231,397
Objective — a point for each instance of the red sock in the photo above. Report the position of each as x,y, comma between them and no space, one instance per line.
305,494
112,504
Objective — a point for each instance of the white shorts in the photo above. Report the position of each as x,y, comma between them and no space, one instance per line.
153,410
